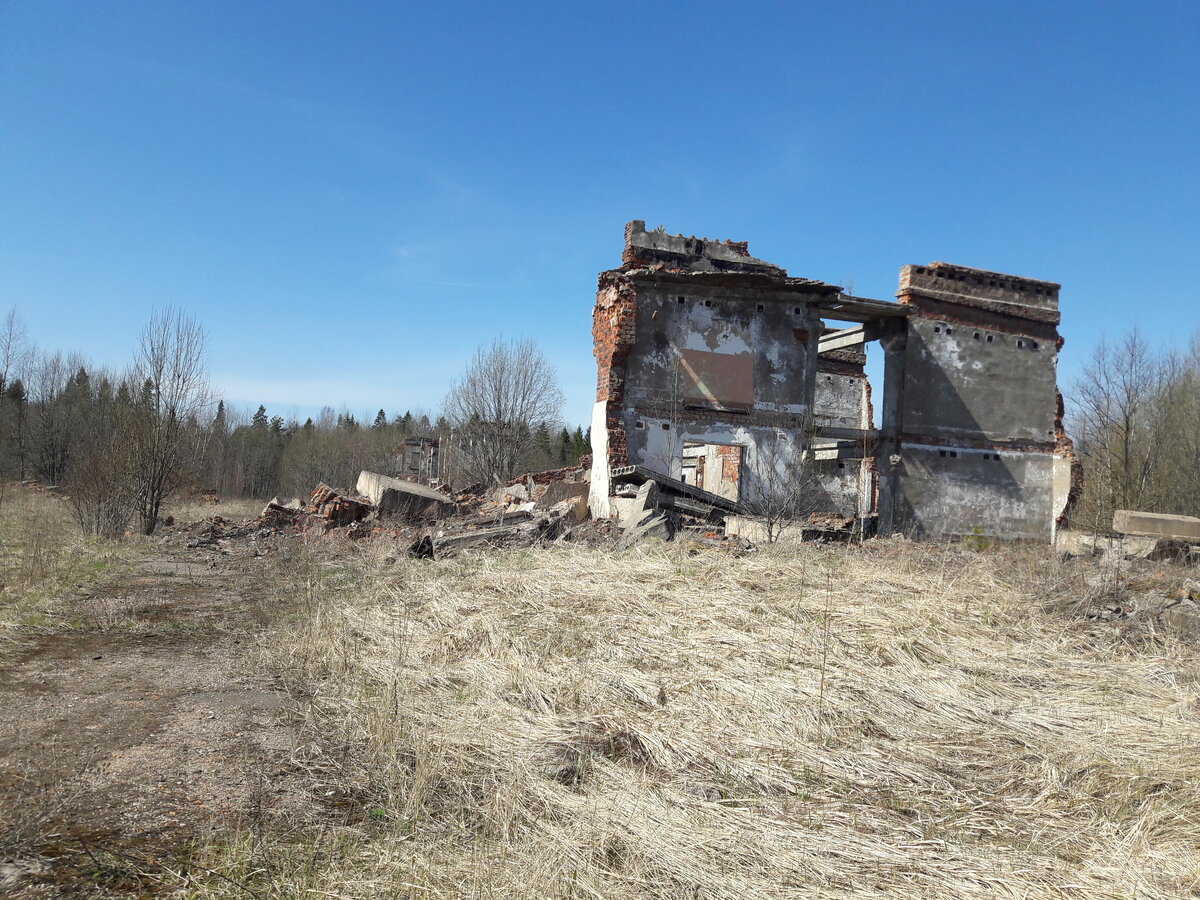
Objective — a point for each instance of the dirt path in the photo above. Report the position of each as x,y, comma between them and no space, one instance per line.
124,740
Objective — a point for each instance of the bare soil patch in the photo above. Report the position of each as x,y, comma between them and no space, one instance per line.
138,731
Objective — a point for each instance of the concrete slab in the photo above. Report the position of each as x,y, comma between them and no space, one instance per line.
372,485
1179,528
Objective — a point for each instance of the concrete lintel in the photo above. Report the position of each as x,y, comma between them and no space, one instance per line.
849,337
860,309
847,434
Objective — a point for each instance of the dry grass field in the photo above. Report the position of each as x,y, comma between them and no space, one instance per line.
890,719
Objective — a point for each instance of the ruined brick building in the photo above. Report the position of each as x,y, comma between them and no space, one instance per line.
721,371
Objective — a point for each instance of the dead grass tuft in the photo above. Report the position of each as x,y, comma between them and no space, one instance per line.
45,561
805,723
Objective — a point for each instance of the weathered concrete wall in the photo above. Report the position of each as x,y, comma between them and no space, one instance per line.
841,400
978,384
767,458
954,491
695,254
698,341
972,406
838,486
690,340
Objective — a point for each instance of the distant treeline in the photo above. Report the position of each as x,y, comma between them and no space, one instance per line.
265,456
121,442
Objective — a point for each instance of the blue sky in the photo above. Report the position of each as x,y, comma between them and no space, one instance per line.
352,196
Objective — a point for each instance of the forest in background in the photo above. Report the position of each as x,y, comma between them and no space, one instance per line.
118,442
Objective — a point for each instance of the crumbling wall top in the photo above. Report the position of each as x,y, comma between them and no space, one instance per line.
649,248
958,283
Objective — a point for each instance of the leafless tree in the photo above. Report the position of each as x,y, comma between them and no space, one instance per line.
52,402
783,488
1117,402
102,478
14,353
14,348
166,439
507,389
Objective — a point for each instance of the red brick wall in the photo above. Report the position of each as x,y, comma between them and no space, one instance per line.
614,322
731,463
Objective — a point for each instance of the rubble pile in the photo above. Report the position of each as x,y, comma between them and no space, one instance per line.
534,509
213,532
334,509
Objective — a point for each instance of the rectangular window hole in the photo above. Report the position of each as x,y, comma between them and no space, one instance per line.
841,465
990,338
937,329
976,335
1033,345
941,453
639,424
949,330
1020,345
761,307
954,454
798,311
680,299
708,303
666,426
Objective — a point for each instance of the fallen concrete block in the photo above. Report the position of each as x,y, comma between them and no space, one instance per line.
574,507
645,503
434,545
558,491
1179,528
511,493
275,510
403,499
410,506
1086,543
659,526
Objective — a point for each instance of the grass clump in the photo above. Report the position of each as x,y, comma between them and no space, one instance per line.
841,722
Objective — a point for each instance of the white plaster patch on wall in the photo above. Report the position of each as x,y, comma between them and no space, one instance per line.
598,487
701,331
657,444
967,451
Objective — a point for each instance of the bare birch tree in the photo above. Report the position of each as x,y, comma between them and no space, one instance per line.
509,387
166,440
